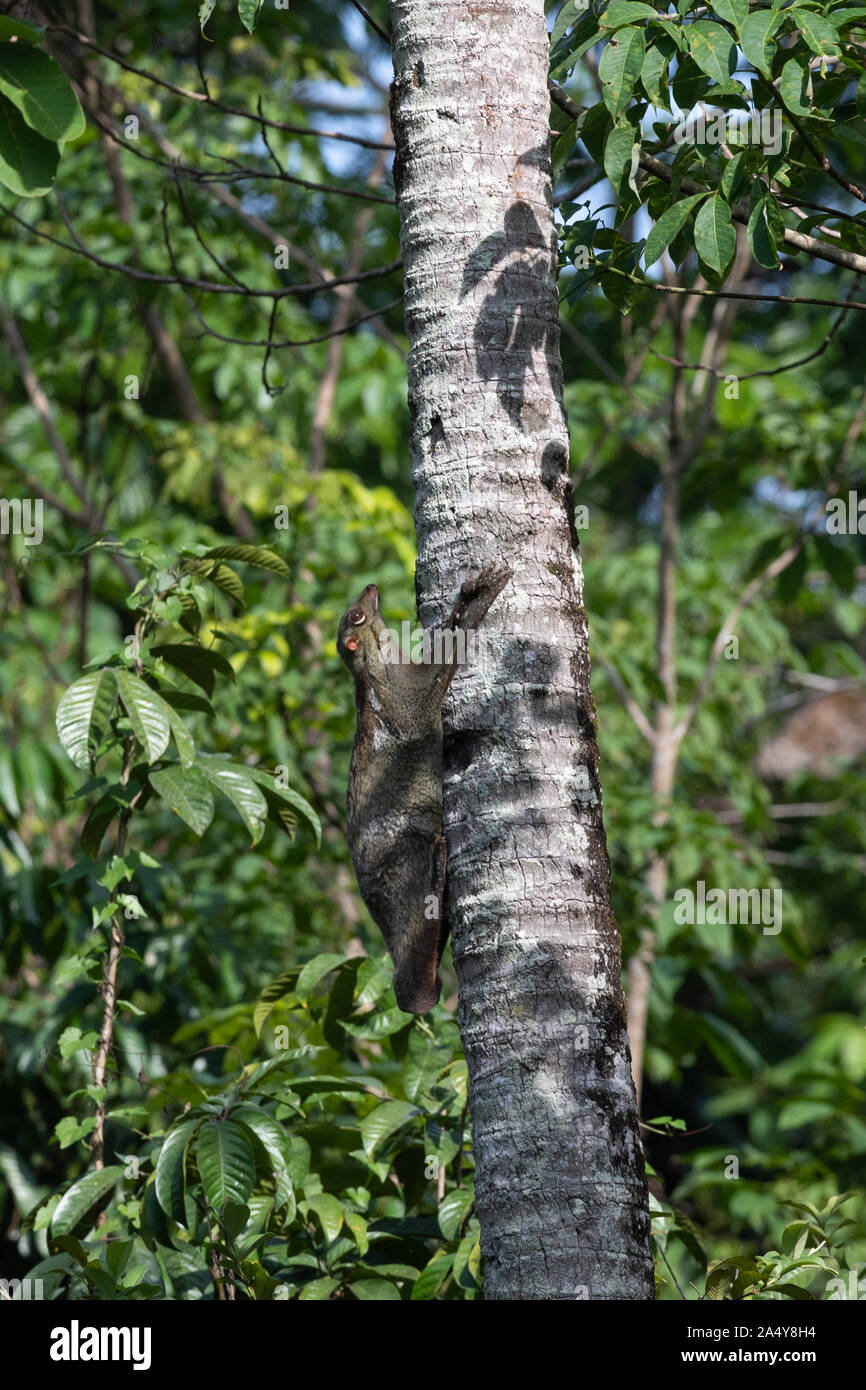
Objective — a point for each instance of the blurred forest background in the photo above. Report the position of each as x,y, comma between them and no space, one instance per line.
140,411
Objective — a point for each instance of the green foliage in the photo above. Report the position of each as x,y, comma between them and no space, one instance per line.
804,79
125,708
273,1120
222,1188
39,112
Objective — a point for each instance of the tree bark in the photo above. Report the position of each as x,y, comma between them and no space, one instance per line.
560,1186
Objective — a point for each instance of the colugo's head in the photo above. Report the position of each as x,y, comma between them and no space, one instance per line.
362,632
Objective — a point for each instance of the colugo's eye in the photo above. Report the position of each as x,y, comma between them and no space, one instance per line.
356,617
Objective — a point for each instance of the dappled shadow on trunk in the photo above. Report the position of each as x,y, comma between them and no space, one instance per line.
507,331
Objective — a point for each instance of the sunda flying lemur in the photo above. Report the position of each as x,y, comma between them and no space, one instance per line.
395,801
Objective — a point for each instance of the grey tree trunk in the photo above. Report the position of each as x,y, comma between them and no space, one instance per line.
560,1187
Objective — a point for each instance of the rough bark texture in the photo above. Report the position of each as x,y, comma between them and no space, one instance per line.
560,1187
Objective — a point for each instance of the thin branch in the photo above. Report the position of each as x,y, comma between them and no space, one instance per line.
821,159
626,699
770,571
40,403
385,37
765,371
746,599
732,294
796,810
209,286
326,393
207,100
239,173
582,186
821,250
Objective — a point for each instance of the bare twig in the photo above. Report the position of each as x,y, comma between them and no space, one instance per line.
385,37
626,699
209,286
206,99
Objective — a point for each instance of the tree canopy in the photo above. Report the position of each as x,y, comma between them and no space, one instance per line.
205,385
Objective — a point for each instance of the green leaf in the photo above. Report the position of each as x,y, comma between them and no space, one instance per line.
190,618
760,237
568,13
205,10
379,1025
795,86
622,12
18,27
734,176
618,151
817,31
467,1260
82,1196
798,1113
234,781
341,1002
274,1143
183,740
330,1213
756,39
452,1211
249,11
233,1219
83,713
259,555
68,1131
290,797
715,237
583,35
384,1121
41,91
8,788
669,225
839,561
734,11
713,49
730,1047
28,162
277,989
226,1162
148,714
224,577
318,1289
170,1179
654,74
98,820
186,700
187,793
72,1040
375,1290
198,664
620,67
358,1226
432,1276
316,970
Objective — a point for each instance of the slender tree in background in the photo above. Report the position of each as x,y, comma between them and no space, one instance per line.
559,1182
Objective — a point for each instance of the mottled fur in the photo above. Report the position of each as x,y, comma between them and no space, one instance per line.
395,810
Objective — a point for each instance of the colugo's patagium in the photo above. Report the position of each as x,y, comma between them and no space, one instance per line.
394,805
